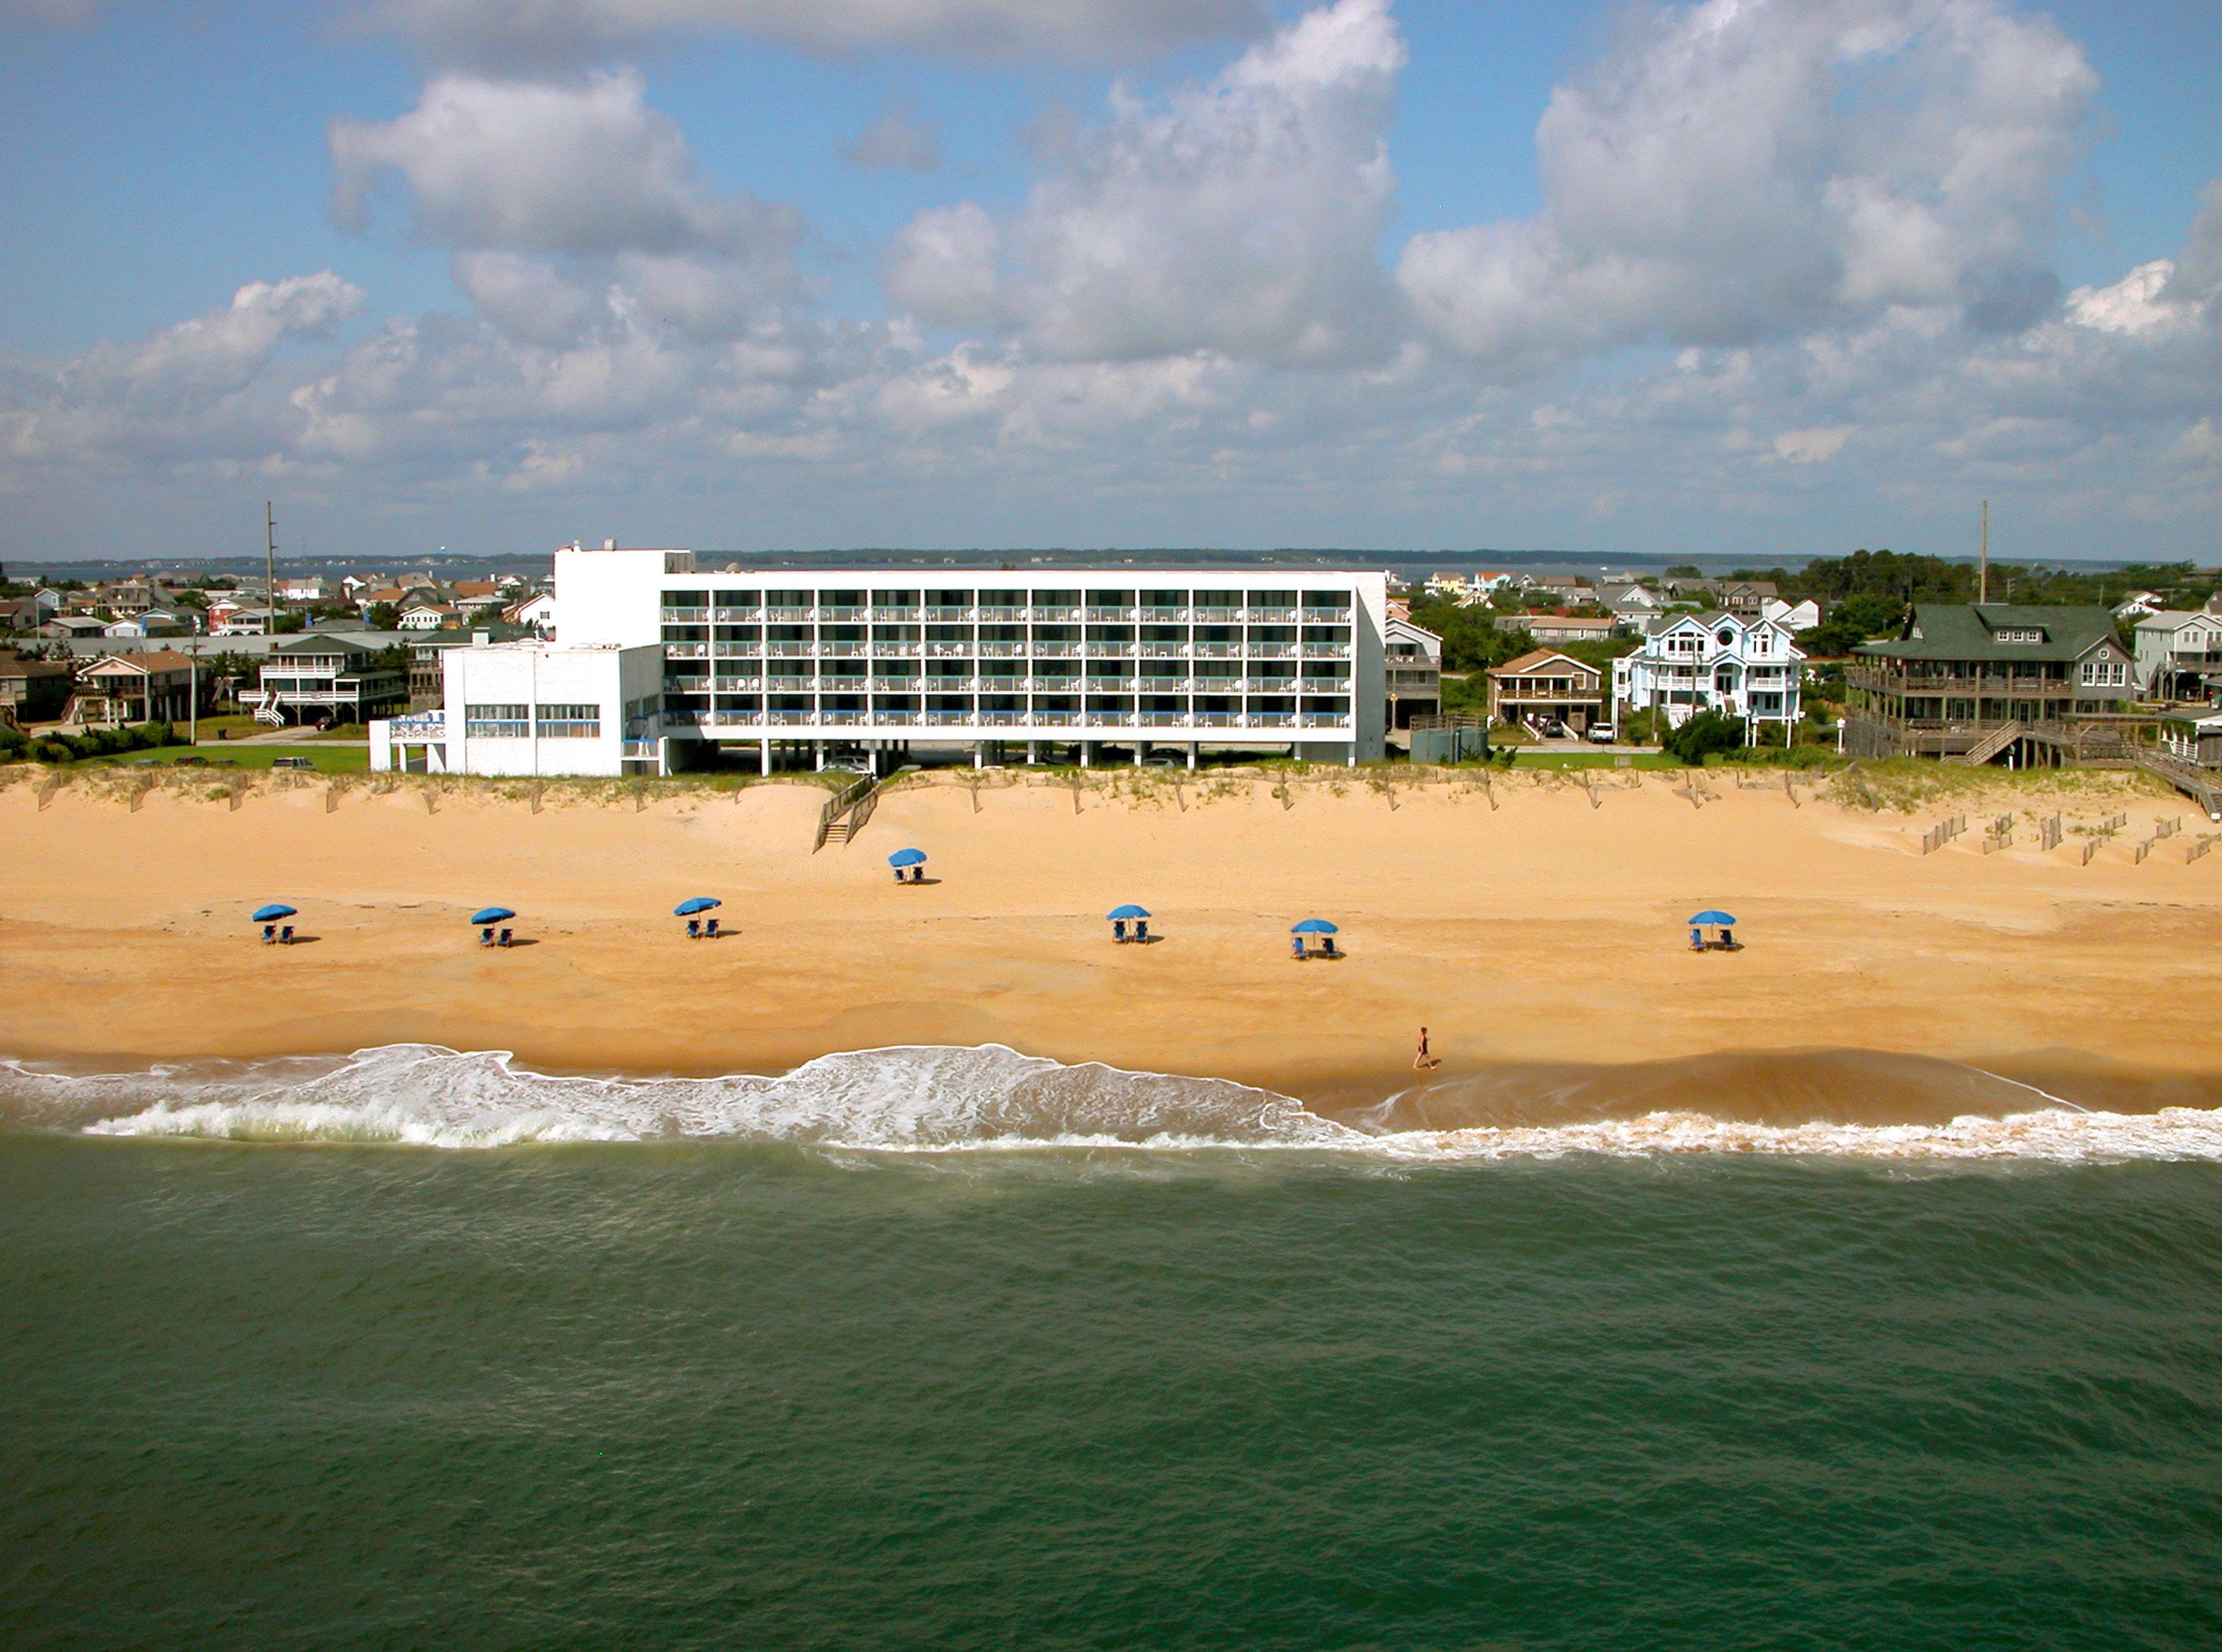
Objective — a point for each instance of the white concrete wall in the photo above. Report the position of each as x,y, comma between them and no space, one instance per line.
610,596
537,674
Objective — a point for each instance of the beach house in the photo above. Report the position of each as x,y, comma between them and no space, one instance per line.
316,678
1979,680
119,688
2179,654
1414,660
1543,688
1718,662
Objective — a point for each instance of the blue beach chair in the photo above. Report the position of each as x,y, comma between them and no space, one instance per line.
486,936
693,929
504,937
1119,929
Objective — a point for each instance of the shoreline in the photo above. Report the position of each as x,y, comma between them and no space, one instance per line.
1537,923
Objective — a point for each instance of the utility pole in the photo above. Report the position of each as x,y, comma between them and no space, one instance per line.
1983,580
269,570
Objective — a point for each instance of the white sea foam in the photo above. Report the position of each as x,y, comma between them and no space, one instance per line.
944,1100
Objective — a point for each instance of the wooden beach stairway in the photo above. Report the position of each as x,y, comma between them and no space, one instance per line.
845,812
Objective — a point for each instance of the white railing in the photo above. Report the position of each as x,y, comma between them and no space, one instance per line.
1216,652
903,719
1327,651
840,650
948,650
843,719
736,651
1110,615
787,651
1003,650
1316,719
894,685
1110,651
686,651
948,616
1218,719
842,615
1054,616
790,616
894,651
1001,616
791,720
739,616
1164,616
947,719
1003,720
1164,720
1057,719
893,616
1056,651
1271,719
686,616
1164,651
1270,616
1273,650
738,685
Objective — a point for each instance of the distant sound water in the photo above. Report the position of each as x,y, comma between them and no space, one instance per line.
954,1347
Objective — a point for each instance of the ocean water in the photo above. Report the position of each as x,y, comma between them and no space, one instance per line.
953,1348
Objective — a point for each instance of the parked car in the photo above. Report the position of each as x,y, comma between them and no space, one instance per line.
292,763
1601,734
193,762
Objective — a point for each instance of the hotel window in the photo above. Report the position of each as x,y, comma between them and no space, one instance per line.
497,722
570,722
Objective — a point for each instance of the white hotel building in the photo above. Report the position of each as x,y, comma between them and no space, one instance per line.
792,663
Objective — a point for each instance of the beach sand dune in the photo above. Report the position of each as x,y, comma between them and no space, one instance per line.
1537,928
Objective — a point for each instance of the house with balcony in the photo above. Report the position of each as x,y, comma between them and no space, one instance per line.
1543,688
315,678
1719,662
1414,658
119,688
34,691
1978,681
2179,654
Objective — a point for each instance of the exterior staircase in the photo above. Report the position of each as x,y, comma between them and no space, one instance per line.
1990,744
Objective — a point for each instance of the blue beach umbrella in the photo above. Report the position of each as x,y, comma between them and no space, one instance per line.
486,915
1713,915
1313,926
1117,913
271,913
907,857
700,903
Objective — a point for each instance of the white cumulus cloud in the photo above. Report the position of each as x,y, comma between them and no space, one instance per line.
1742,169
1241,215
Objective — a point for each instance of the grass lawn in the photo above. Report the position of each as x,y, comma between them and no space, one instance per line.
1593,760
329,760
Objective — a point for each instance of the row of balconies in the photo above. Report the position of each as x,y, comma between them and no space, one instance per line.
1009,719
1005,650
727,614
728,684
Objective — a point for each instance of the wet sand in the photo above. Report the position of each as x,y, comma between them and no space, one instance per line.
1537,932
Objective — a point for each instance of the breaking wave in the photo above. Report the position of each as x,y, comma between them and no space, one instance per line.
948,1100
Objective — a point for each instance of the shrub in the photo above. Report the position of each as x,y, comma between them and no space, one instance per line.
1703,735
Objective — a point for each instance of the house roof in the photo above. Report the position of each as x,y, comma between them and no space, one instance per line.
318,642
1535,659
2175,619
1967,631
166,660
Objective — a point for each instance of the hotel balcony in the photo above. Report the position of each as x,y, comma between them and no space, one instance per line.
948,615
1163,719
1110,651
1322,719
639,750
893,616
686,651
1272,650
1055,616
1326,650
686,616
788,651
894,651
1057,719
1164,651
789,616
1002,616
1270,719
1003,650
892,685
949,650
737,616
843,616
1164,616
840,650
728,651
738,685
1110,615
1270,616
1056,651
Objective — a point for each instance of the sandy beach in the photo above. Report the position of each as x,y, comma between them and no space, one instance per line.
1529,922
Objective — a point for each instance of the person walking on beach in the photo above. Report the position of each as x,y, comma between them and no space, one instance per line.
1423,1062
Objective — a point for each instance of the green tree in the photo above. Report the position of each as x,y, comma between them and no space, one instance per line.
1703,734
383,616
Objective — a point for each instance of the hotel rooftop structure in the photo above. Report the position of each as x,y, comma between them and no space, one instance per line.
1082,657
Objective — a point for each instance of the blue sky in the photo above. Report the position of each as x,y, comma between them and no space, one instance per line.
1770,278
